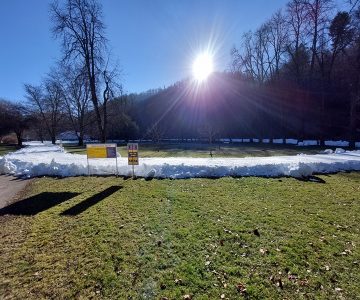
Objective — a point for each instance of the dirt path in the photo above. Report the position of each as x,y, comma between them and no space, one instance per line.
10,187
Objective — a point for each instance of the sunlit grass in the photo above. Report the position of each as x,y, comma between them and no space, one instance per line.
5,149
276,238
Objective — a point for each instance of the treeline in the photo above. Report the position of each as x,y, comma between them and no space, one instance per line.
296,76
308,57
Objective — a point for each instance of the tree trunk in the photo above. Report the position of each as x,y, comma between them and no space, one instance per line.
103,135
323,118
53,139
355,103
302,114
91,75
19,138
315,37
352,144
81,134
80,140
98,119
104,127
353,120
41,136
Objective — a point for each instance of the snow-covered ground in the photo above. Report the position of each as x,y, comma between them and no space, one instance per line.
43,159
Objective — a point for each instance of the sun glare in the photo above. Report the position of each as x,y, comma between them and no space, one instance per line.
202,67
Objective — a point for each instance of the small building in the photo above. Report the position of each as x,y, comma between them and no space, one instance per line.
70,136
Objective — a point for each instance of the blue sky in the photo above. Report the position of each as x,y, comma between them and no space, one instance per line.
153,41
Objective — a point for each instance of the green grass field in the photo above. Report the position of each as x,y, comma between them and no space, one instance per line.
5,149
203,150
251,238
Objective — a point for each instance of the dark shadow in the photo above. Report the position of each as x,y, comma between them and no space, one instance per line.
19,179
84,205
312,179
35,204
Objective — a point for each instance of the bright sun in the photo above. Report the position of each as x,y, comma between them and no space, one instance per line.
202,67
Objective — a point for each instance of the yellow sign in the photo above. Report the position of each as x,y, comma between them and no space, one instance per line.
101,150
133,154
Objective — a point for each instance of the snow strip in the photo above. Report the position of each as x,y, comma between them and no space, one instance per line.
52,160
337,143
291,141
278,141
308,143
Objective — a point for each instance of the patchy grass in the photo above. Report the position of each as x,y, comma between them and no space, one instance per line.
5,149
75,149
203,150
252,238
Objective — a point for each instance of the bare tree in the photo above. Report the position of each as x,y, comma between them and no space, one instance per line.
80,25
278,40
156,132
111,89
241,58
210,131
253,58
14,118
48,102
317,12
77,97
341,35
4,128
296,21
354,4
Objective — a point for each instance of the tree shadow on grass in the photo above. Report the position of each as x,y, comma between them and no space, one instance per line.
312,179
38,203
84,205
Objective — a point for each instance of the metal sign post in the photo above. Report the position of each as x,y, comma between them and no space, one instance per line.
133,156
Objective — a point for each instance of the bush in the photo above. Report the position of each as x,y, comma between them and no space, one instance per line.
8,139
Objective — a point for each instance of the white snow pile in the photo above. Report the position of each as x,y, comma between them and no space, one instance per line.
278,141
308,143
51,160
328,151
337,143
291,141
339,150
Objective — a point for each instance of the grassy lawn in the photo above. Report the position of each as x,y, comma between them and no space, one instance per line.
251,238
203,150
5,149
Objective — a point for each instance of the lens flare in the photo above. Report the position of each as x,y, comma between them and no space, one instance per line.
203,67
